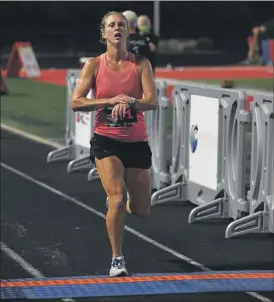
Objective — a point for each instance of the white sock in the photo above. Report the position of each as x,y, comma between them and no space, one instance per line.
118,257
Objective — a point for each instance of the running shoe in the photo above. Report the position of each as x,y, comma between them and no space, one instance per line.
118,267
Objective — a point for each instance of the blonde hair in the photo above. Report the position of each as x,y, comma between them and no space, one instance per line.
103,23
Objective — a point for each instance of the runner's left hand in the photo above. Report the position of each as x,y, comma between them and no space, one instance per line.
119,111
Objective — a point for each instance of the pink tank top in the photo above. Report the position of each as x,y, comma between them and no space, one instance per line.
110,84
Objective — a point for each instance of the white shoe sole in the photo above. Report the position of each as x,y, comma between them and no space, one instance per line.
118,273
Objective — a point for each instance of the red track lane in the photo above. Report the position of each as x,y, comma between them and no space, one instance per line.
213,73
58,76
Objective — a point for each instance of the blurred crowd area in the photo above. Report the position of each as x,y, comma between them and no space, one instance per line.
191,33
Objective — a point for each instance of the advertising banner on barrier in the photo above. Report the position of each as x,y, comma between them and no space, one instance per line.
83,127
203,141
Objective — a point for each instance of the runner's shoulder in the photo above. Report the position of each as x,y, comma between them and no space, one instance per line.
92,65
140,60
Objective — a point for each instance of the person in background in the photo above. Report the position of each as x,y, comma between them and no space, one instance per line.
259,33
144,28
228,84
138,42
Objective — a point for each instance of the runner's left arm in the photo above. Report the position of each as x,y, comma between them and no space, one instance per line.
149,101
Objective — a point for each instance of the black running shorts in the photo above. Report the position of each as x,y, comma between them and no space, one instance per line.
132,154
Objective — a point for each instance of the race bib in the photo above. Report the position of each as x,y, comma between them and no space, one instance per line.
129,120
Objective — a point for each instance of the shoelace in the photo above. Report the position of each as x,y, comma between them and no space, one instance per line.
117,263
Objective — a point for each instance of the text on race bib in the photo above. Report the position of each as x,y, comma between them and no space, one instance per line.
129,120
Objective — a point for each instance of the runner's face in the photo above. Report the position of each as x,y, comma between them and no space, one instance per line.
116,31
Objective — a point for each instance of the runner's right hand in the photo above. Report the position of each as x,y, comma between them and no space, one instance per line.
120,99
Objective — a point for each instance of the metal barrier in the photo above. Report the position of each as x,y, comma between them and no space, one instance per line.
83,131
157,122
213,164
201,119
72,78
220,156
67,152
79,130
231,151
261,193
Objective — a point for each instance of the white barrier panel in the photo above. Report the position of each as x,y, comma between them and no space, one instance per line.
158,138
261,194
176,189
83,127
203,141
72,77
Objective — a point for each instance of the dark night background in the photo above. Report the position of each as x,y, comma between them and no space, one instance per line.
67,30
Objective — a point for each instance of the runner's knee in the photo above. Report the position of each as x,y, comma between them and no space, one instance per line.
140,209
117,198
144,212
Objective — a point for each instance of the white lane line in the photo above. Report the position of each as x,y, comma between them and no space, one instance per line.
31,137
25,265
